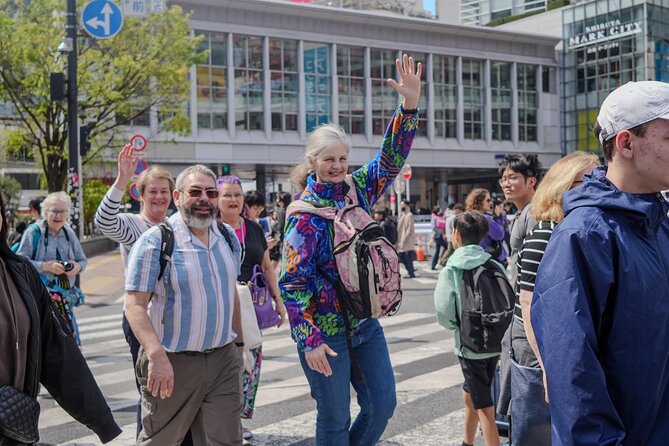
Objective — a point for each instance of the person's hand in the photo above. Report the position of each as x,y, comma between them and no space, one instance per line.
54,267
160,381
317,359
271,242
280,310
127,164
409,86
75,270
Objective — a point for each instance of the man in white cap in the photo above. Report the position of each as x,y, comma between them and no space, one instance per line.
601,303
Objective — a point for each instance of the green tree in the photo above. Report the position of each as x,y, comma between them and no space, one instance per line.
94,192
144,67
11,191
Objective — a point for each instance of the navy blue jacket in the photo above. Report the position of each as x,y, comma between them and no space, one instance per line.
601,316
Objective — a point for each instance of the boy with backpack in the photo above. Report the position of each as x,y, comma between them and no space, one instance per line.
473,297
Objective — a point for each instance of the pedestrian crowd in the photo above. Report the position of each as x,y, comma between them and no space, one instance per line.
559,310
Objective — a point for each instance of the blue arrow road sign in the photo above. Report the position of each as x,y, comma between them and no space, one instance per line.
102,19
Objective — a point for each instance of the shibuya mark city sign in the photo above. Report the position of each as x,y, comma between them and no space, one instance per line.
602,32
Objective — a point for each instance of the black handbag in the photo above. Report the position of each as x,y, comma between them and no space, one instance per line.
19,414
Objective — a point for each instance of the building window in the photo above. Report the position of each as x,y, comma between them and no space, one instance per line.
384,97
249,85
500,87
445,96
527,102
351,79
473,98
548,80
284,83
211,81
317,83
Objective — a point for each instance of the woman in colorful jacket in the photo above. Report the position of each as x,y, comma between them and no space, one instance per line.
316,320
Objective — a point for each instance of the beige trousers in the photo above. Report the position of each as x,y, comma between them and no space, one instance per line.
207,398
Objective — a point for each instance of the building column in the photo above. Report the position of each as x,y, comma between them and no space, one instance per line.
487,107
368,95
232,123
301,99
267,90
539,104
460,108
514,104
334,94
430,98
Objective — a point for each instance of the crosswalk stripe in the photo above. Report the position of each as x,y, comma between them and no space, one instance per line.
86,320
412,337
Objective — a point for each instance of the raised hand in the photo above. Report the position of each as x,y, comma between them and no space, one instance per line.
409,85
127,164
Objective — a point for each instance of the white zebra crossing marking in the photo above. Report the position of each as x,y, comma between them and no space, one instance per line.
278,345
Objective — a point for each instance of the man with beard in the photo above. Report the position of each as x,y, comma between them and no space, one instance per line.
190,363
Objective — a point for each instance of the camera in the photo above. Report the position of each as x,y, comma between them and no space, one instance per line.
67,265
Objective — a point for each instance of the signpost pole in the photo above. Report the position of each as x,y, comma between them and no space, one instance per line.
73,171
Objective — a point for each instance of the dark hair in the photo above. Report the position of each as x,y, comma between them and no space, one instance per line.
285,198
472,227
407,202
381,211
36,204
527,165
254,198
609,145
458,207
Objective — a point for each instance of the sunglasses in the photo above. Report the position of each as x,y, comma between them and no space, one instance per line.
197,193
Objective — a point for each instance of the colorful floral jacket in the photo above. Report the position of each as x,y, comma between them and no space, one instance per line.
311,301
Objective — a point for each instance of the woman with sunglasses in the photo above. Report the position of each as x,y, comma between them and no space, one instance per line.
255,252
55,251
479,200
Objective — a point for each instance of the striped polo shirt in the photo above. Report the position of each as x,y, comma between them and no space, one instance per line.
191,308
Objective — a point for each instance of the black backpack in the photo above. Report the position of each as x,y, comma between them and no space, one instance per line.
487,308
167,243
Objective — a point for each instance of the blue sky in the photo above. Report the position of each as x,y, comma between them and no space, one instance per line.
429,6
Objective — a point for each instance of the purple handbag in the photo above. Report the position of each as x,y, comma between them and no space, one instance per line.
262,301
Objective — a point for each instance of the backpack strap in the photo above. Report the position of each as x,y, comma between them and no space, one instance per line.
226,235
304,206
166,246
37,234
352,192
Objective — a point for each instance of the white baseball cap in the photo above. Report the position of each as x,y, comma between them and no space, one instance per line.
632,104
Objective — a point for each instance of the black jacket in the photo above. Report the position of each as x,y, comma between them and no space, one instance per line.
54,359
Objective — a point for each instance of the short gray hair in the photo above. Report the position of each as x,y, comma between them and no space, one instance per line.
52,199
190,170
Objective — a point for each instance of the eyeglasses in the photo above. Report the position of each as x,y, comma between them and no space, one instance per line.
197,193
511,179
58,211
232,196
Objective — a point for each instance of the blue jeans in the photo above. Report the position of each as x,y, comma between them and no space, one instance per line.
376,392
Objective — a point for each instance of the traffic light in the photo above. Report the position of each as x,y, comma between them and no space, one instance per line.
225,169
84,143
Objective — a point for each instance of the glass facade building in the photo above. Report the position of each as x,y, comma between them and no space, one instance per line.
606,44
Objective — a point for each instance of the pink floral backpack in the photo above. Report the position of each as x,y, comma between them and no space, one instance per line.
367,262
